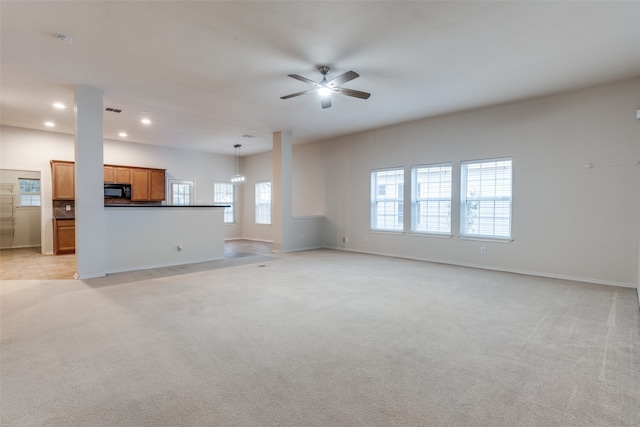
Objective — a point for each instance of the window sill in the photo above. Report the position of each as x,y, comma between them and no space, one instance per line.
399,233
434,235
487,239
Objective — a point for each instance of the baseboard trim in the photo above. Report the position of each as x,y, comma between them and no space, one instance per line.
506,270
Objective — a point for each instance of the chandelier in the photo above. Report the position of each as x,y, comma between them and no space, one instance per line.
237,177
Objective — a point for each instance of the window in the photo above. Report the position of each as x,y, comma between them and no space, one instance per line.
387,200
263,202
224,193
486,198
181,192
431,199
29,192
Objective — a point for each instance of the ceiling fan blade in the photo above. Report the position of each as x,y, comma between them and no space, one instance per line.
351,92
298,94
343,78
325,101
304,79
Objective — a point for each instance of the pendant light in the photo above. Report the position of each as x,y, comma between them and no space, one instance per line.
237,177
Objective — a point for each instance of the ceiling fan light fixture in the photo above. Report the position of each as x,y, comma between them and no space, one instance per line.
324,91
324,88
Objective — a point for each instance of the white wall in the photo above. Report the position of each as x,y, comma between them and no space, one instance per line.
308,181
139,238
308,193
568,221
32,150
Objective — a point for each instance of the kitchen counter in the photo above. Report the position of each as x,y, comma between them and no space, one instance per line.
162,206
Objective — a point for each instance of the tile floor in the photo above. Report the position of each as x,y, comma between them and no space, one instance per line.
29,263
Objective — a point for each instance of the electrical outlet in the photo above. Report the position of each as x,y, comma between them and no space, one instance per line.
483,250
365,238
68,207
345,239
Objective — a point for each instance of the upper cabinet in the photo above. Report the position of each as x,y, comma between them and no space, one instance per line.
62,178
147,185
117,174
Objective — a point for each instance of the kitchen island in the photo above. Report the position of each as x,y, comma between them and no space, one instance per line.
143,236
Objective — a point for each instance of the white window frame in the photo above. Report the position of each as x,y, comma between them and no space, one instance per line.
489,192
431,206
387,200
30,195
262,206
226,198
181,182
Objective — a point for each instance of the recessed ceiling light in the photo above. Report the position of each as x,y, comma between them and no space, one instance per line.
59,106
145,121
122,134
49,124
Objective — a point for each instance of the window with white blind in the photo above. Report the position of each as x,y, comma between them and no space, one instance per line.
387,200
431,199
486,198
181,192
263,202
224,193
29,192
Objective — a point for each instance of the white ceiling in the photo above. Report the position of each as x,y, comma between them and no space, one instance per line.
209,72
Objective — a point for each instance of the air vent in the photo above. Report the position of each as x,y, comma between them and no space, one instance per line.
113,110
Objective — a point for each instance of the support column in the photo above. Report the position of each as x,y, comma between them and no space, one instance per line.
282,190
89,180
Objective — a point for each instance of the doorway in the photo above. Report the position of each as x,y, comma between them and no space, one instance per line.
20,209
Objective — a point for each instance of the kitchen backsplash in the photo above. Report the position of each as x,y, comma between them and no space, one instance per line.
60,209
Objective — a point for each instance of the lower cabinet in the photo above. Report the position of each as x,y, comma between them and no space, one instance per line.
64,236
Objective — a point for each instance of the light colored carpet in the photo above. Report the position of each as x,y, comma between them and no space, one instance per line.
319,338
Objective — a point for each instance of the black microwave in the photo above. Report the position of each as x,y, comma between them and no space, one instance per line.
117,191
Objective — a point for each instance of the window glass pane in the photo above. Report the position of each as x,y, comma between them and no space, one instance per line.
224,193
431,199
486,198
387,199
181,194
29,192
263,202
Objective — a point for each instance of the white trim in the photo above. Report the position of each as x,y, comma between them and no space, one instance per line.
436,235
503,270
486,239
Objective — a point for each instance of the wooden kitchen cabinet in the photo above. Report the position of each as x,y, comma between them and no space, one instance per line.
157,185
147,185
62,180
64,236
117,174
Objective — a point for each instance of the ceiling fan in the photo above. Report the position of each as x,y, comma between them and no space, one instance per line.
326,88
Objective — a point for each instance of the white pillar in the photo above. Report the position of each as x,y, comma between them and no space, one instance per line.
282,190
89,180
